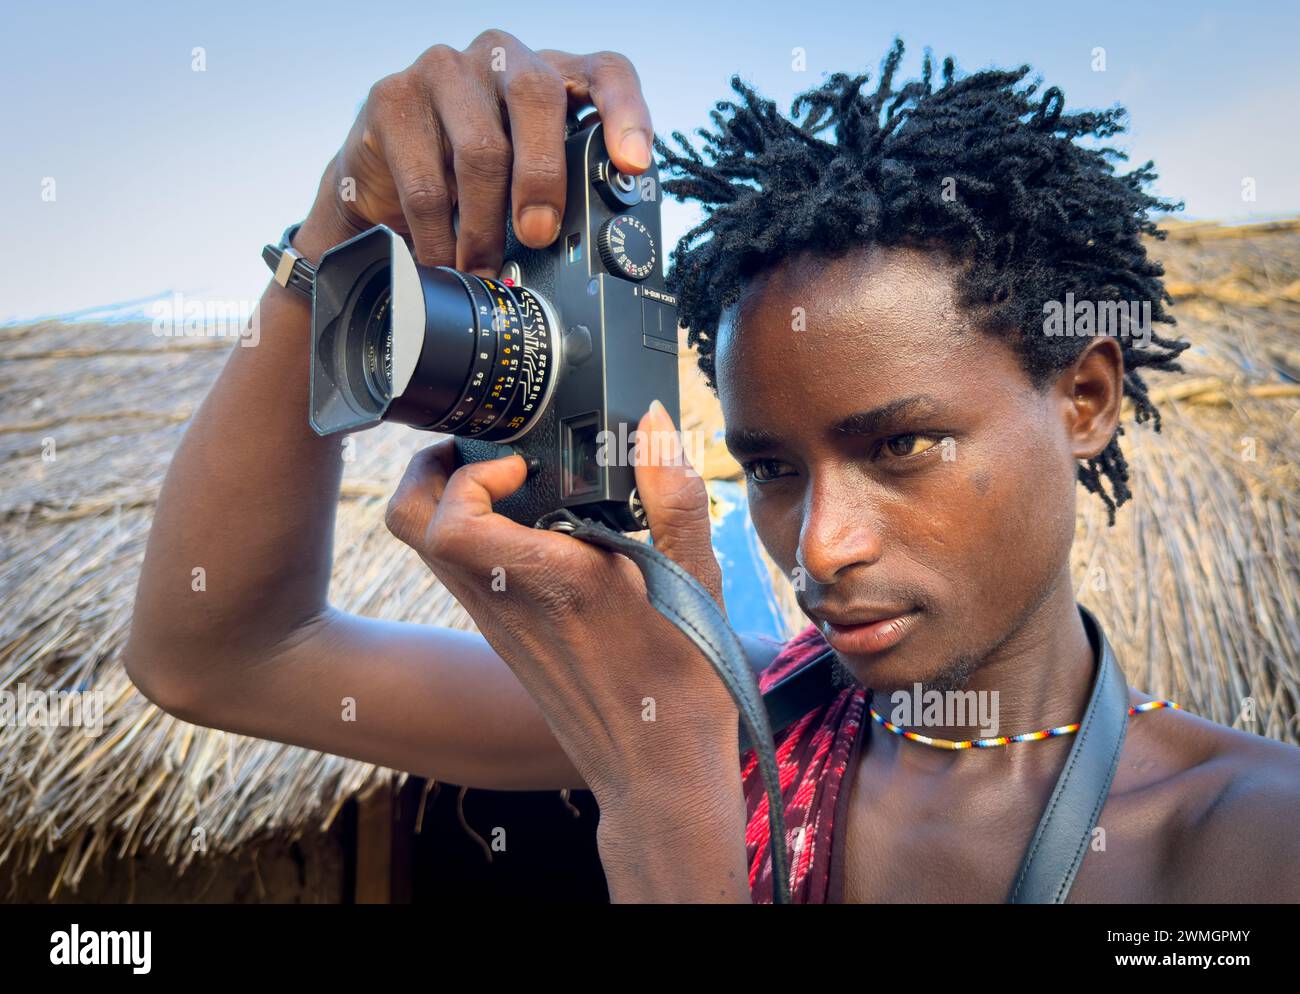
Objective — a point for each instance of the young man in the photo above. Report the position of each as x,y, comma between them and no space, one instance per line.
912,440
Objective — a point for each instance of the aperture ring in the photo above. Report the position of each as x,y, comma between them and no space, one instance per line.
507,325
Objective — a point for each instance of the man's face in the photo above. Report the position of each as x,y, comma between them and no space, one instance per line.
950,506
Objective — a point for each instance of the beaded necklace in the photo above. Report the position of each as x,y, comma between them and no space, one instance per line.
1002,740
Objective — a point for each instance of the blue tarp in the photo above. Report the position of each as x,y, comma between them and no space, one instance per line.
746,583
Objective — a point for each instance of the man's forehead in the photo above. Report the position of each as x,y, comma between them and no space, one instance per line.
897,308
868,362
871,273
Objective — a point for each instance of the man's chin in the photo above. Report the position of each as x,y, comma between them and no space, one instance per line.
898,670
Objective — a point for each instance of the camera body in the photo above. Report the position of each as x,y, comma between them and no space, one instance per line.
556,360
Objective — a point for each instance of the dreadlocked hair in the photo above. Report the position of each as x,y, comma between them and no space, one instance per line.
1035,214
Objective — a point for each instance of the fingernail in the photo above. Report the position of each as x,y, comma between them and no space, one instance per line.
539,225
636,149
669,447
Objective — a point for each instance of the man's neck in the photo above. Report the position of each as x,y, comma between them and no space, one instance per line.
1040,677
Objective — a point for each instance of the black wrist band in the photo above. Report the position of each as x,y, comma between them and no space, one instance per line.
290,268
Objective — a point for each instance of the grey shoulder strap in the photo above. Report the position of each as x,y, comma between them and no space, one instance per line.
1061,840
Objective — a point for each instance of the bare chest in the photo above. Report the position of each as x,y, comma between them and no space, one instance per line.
962,839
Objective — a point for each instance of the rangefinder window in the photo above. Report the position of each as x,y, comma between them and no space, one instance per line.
581,468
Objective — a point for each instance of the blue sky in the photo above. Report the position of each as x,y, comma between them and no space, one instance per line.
169,179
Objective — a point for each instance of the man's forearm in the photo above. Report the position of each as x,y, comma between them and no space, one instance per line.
249,498
679,844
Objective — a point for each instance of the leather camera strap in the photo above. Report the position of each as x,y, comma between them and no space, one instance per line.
682,599
1065,829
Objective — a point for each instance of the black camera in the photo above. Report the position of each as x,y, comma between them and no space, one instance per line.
556,359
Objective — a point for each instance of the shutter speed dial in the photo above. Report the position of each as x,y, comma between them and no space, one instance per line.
627,248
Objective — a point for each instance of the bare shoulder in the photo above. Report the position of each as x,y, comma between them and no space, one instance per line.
1183,740
1235,801
1246,837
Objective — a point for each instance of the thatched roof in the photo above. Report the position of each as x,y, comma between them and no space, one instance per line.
1196,583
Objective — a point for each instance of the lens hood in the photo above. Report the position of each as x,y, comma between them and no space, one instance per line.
348,280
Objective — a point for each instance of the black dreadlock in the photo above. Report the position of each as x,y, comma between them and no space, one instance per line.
1035,216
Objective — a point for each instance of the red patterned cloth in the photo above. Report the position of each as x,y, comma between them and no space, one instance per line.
813,755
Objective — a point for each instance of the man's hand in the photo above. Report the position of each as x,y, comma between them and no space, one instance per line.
634,704
458,130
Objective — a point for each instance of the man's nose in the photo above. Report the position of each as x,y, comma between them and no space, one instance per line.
840,529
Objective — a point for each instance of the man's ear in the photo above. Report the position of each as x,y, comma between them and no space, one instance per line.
1091,392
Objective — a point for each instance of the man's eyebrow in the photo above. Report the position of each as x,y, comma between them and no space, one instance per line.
747,441
872,421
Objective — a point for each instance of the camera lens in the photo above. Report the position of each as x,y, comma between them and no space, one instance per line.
466,355
378,339
364,356
519,383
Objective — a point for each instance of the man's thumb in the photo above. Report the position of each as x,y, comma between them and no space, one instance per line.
675,499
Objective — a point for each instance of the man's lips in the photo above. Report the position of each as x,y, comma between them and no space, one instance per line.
880,630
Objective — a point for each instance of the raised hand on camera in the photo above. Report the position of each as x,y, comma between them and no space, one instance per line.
461,130
632,701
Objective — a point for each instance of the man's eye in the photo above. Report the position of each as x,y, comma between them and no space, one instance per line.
760,470
909,445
